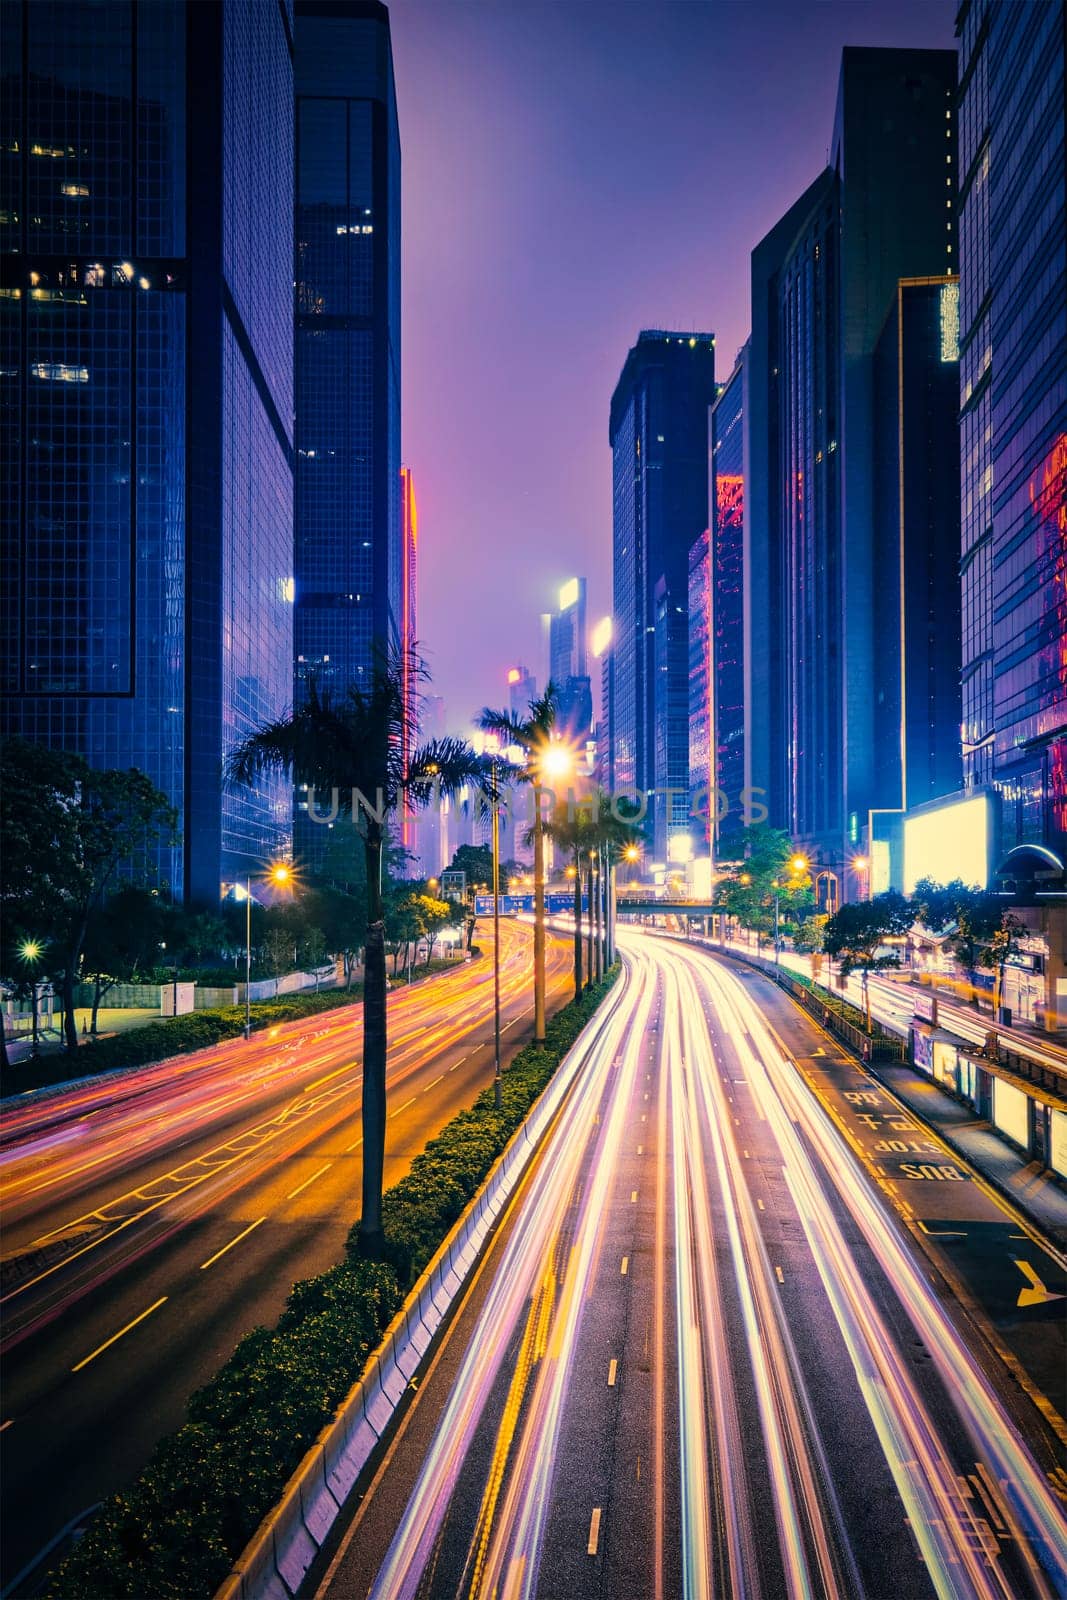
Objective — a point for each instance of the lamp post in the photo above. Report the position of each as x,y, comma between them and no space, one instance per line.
280,874
174,1003
497,1097
30,953
550,760
797,865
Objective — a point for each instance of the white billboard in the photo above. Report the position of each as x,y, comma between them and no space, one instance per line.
947,842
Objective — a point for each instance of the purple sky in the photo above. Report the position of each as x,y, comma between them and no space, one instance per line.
574,172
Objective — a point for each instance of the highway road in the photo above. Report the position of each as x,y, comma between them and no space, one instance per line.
153,1218
748,1330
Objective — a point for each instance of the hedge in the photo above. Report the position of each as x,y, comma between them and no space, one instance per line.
834,1003
156,1041
177,1530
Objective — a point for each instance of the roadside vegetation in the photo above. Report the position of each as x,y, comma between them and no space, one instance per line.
174,1533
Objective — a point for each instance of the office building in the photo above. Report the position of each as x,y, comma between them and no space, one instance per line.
822,283
568,665
147,393
701,765
726,596
348,531
658,431
1013,423
522,691
915,709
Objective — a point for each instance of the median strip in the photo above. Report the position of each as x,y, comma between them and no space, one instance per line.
321,1374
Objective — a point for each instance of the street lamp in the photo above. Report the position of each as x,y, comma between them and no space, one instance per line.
549,760
278,873
30,951
163,947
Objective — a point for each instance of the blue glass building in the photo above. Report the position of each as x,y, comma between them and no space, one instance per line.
658,431
822,282
915,708
146,387
348,511
1013,419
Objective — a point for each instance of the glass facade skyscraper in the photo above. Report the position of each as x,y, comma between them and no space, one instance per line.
822,283
658,431
348,506
1013,414
916,703
349,532
147,397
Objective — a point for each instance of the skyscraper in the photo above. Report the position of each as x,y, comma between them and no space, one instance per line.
823,280
568,664
522,689
348,540
147,395
915,708
726,596
658,431
1013,420
701,762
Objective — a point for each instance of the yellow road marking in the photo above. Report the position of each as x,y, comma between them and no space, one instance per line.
116,1336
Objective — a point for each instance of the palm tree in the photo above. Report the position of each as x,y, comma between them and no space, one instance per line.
354,747
545,757
574,830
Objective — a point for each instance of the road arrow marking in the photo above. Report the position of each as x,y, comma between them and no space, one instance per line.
1037,1294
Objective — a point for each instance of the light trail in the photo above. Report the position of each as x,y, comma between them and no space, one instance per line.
926,1480
509,1563
734,1338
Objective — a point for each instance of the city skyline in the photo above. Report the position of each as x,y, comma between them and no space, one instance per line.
490,282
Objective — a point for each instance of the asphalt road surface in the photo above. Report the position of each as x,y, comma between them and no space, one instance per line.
748,1330
152,1219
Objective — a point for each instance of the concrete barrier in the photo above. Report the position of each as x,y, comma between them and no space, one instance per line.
277,1558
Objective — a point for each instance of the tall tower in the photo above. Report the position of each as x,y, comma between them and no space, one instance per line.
658,432
1013,420
348,526
147,396
822,284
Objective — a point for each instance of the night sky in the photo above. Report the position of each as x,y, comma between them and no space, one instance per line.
573,173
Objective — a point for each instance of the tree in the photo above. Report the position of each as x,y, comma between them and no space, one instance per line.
343,919
766,867
980,931
855,933
122,940
477,862
572,828
435,915
810,940
67,830
353,748
534,736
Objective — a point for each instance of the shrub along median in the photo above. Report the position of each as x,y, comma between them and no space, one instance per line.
176,1531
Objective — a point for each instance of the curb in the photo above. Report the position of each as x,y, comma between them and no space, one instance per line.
277,1558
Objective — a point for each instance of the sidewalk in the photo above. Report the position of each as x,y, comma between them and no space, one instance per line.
1028,1185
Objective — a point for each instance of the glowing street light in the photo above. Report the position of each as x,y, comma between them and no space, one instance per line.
281,874
31,951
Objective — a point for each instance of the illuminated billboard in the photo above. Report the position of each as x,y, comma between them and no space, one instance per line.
947,842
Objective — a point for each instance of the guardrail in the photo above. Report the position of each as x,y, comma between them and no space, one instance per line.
279,1555
878,1045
